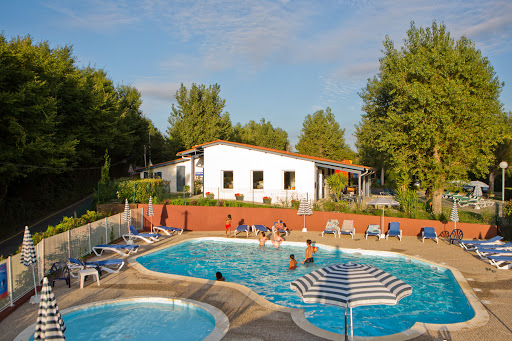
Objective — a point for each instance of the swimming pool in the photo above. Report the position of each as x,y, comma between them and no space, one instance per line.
437,298
140,319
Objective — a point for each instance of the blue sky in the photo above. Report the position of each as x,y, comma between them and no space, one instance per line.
278,60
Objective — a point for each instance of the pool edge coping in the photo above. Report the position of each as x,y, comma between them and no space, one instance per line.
481,316
220,319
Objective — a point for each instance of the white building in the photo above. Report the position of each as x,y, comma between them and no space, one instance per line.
230,168
176,172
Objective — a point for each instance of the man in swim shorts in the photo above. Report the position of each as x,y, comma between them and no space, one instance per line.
309,253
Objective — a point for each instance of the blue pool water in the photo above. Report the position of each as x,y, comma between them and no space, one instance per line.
139,321
436,296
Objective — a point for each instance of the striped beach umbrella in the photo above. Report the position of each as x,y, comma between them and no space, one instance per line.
454,216
28,258
304,210
350,285
477,191
150,212
49,324
127,216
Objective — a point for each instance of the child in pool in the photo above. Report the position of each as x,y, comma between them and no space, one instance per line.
293,262
219,276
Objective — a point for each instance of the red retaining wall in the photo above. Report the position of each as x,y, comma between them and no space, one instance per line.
211,218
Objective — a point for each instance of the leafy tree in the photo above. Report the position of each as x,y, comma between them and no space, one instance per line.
433,109
337,183
503,151
322,136
198,117
105,170
262,134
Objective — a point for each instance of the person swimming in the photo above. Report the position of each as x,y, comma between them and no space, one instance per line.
293,262
219,276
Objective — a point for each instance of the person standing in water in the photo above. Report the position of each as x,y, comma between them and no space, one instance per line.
228,226
309,253
263,239
293,262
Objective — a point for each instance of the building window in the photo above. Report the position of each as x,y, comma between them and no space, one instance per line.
257,179
158,175
146,175
289,180
228,179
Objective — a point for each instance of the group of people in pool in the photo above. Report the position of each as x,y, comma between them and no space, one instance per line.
310,250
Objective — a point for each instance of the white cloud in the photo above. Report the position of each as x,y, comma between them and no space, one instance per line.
158,90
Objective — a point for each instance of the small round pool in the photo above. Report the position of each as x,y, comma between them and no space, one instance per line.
140,319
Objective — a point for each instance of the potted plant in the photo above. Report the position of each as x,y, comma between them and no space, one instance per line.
239,196
267,200
209,195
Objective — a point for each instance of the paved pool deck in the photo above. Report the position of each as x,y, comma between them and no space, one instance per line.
253,318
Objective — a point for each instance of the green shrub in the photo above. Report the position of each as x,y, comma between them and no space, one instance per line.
139,190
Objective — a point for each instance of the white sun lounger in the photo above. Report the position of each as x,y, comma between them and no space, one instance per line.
168,230
466,244
147,237
348,228
485,253
259,228
501,262
242,228
123,250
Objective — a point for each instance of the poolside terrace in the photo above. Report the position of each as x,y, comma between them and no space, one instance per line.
253,318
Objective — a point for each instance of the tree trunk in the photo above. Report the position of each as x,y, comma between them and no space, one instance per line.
382,171
492,176
436,201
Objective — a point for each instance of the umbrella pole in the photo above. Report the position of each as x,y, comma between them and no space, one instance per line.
346,330
351,326
35,286
151,224
304,221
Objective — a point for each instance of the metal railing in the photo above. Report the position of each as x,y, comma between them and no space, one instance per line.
73,243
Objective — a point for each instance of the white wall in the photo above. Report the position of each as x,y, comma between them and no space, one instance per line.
169,172
243,161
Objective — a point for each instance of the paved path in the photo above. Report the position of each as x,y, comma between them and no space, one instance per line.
250,319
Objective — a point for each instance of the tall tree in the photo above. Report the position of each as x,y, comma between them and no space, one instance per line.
198,117
261,134
322,136
434,108
503,151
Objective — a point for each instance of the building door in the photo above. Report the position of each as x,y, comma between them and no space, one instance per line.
180,178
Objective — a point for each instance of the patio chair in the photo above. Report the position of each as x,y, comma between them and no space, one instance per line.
332,227
372,230
259,228
147,237
348,228
168,230
123,250
456,236
501,262
59,270
242,228
429,233
394,231
497,246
